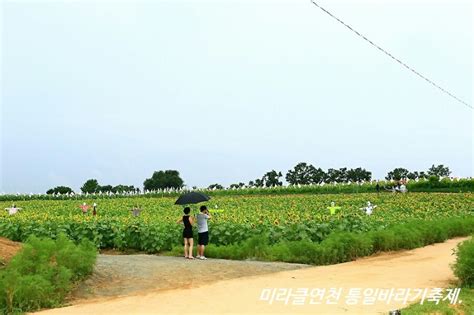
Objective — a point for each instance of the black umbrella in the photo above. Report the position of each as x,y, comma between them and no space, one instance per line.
191,197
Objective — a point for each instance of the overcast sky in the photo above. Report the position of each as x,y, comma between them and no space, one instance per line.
224,91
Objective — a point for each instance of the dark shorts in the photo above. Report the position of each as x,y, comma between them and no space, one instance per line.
187,233
203,238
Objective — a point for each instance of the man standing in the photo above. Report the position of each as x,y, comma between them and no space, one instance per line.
203,231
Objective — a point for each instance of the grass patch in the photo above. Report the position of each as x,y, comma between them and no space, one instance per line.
444,308
43,273
464,266
341,247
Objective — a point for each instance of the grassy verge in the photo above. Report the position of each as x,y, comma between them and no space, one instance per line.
444,308
464,270
341,247
43,272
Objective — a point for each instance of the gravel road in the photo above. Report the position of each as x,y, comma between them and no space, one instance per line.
120,275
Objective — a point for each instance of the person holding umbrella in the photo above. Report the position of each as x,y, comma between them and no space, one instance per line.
188,222
186,199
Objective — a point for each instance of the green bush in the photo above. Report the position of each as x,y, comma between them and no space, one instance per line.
346,246
464,265
43,272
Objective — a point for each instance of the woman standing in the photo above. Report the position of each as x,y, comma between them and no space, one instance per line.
188,222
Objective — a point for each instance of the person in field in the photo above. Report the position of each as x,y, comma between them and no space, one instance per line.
188,222
332,209
203,231
13,210
402,188
136,211
84,207
94,209
369,208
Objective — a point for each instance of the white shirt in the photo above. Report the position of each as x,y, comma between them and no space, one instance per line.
12,211
202,222
369,209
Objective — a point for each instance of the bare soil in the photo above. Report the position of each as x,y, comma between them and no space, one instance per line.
120,275
8,249
178,286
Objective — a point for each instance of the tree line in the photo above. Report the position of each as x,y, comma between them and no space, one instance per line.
302,174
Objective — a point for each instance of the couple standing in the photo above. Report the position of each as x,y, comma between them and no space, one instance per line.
203,232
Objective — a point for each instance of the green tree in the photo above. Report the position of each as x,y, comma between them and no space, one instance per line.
439,171
239,185
90,186
257,183
397,174
417,175
60,189
338,176
272,179
305,174
163,180
123,188
332,175
358,175
215,186
106,188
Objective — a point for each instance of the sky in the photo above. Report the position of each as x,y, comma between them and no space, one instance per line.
224,91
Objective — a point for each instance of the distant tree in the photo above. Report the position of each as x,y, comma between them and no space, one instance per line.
90,186
439,171
338,176
343,175
300,174
257,183
332,175
60,190
272,179
123,188
215,186
318,176
397,174
106,188
417,175
358,175
239,185
305,174
163,179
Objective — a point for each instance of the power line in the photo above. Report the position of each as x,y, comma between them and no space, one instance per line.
393,57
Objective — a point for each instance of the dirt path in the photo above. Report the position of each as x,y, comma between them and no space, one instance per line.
426,267
122,275
8,249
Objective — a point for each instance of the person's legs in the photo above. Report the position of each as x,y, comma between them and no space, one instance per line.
190,249
185,248
204,240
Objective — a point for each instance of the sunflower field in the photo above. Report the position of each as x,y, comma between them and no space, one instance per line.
234,218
